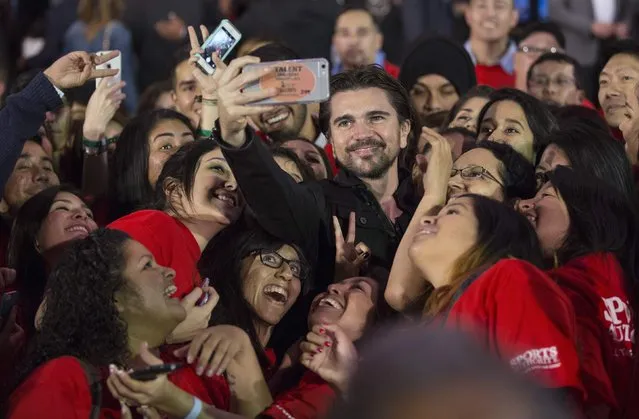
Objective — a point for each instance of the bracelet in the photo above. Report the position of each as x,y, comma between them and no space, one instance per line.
195,410
93,148
210,102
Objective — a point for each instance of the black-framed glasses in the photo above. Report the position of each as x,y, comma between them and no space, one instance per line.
274,260
474,173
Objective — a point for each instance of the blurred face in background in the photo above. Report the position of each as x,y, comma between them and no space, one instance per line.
356,39
491,20
529,50
433,93
554,83
187,93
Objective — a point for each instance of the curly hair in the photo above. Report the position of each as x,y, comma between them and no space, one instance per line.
81,318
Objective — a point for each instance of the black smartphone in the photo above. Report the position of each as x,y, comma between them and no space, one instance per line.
9,300
152,372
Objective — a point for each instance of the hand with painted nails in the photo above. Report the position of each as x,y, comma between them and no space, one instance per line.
211,351
349,257
328,352
197,317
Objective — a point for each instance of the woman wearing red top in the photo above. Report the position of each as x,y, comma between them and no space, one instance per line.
108,302
476,255
591,233
338,317
198,197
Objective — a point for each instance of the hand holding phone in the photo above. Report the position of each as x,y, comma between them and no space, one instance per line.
154,371
223,39
297,81
9,300
113,64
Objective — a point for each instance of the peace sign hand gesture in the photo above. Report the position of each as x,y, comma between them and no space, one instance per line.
76,68
349,258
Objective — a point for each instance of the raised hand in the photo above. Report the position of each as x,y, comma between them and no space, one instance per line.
215,348
76,68
440,163
329,353
349,257
234,105
197,318
102,106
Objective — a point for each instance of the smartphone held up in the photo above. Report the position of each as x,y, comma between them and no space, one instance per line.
113,64
296,81
223,39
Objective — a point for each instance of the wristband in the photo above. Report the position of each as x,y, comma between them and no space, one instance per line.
93,148
195,410
209,102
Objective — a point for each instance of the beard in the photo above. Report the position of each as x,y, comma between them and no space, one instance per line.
290,131
371,167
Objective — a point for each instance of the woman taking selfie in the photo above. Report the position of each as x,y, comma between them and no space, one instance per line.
197,197
589,232
43,229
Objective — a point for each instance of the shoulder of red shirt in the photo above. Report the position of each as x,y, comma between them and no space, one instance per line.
311,398
391,69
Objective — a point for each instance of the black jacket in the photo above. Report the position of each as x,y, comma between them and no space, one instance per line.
302,213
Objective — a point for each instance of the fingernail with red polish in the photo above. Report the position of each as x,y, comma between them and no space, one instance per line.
322,331
319,350
328,344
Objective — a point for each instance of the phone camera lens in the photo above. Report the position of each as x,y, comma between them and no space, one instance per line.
323,66
109,66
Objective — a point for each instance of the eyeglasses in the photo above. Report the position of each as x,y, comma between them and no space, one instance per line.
475,172
534,50
560,82
275,260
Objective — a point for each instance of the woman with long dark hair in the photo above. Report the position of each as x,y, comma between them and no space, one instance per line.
480,257
518,119
197,197
588,150
43,228
490,169
589,232
108,306
466,110
143,147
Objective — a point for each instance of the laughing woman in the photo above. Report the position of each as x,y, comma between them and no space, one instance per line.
476,255
197,198
43,228
590,232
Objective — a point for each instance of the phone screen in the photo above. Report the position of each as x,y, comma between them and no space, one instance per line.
222,41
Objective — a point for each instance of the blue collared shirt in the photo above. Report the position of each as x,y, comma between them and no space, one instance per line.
338,67
507,62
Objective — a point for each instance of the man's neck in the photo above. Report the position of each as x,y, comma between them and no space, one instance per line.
384,187
309,130
488,53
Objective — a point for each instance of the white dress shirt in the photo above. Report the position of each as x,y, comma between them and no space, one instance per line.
605,10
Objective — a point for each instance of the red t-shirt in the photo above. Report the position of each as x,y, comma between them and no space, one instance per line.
521,316
170,242
311,398
605,328
391,69
494,76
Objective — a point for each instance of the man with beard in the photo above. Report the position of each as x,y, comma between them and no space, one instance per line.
187,92
555,79
357,42
368,120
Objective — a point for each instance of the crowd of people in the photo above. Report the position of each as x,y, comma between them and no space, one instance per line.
455,234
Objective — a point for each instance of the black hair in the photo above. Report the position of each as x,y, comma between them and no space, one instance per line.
368,77
624,46
181,55
149,98
83,286
557,57
305,170
540,120
477,91
470,138
130,186
179,172
571,114
320,150
403,363
31,267
517,173
501,233
222,262
275,51
602,219
596,152
546,27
